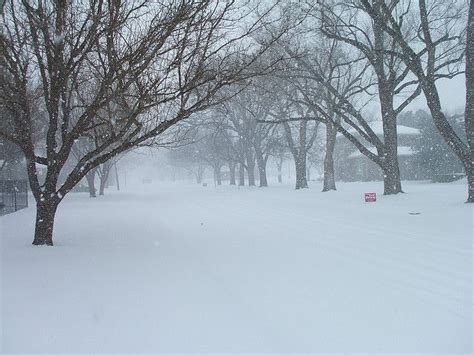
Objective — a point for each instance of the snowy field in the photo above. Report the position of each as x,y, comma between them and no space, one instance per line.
185,268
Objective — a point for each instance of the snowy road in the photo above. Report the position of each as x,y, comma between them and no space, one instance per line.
192,269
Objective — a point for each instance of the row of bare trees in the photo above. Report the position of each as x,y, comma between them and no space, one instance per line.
85,81
346,53
127,70
413,44
235,134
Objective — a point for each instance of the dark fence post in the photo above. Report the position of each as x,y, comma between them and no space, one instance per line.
14,195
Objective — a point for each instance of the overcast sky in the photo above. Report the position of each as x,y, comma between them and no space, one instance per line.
452,92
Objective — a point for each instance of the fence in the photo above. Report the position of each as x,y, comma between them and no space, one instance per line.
13,196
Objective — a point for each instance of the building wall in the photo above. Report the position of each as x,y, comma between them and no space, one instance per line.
362,168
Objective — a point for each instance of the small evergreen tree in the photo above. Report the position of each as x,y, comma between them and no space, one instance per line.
433,156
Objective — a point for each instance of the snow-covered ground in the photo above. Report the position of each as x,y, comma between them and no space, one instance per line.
185,268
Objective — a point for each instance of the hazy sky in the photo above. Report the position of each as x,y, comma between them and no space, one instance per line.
452,93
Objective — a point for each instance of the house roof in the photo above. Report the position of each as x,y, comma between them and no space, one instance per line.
401,150
377,127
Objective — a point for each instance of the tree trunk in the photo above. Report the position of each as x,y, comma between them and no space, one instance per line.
329,175
251,169
232,172
469,110
470,182
104,177
217,175
241,175
300,165
391,171
386,86
102,184
391,180
251,175
90,177
262,169
300,161
45,213
200,173
279,168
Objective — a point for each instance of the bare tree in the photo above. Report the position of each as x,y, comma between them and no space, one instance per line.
343,22
190,158
300,139
243,113
329,81
469,109
232,147
333,85
280,151
300,132
156,63
435,52
83,145
103,171
329,175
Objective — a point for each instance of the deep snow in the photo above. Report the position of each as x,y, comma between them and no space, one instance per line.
185,268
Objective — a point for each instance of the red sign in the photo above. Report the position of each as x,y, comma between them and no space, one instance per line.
370,197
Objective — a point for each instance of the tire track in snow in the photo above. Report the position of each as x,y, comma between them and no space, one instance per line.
392,250
352,248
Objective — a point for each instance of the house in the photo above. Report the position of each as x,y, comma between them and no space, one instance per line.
352,165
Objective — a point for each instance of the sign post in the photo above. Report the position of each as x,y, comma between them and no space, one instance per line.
370,197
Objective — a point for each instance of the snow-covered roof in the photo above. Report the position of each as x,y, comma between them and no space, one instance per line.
377,127
401,150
